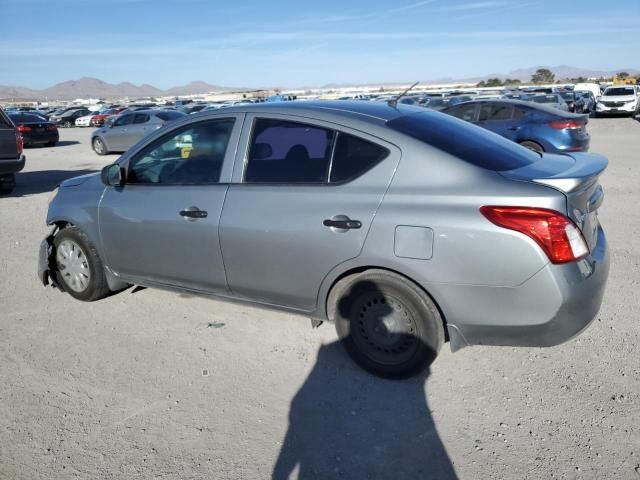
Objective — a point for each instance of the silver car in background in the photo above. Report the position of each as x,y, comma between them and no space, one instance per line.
405,227
121,132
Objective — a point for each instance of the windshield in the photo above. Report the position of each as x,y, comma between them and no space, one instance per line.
619,91
545,99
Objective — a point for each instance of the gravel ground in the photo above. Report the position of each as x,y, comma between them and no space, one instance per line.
158,385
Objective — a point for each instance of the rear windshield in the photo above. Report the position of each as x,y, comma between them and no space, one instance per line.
27,118
169,115
461,139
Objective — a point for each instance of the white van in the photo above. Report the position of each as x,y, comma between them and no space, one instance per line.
588,87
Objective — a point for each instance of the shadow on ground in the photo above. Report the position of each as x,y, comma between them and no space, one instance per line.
345,423
30,183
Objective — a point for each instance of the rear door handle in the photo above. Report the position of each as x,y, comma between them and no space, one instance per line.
345,224
193,213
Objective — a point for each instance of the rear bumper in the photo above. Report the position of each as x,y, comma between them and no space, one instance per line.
12,166
550,308
37,139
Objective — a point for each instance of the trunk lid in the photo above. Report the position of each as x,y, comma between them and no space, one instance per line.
576,175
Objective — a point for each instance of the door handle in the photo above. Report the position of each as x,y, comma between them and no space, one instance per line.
193,213
345,224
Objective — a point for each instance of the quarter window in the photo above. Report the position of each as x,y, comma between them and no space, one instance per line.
190,155
288,152
354,156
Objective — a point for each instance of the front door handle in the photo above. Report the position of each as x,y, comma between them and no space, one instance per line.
193,213
342,223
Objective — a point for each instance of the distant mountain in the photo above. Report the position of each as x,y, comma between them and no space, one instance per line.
94,88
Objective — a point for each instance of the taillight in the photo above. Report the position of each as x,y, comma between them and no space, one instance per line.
52,128
556,234
566,124
23,128
19,143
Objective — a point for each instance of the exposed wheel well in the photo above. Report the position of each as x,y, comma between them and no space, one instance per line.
357,270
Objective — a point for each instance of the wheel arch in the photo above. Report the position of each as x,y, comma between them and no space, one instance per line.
364,268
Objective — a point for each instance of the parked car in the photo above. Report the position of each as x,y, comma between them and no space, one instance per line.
34,129
126,129
68,119
392,221
554,100
86,120
11,157
589,100
618,100
99,119
574,101
63,111
538,127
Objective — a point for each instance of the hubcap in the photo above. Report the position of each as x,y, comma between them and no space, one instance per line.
73,265
384,329
97,144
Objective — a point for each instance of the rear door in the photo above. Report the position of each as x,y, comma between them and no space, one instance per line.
117,136
304,195
498,117
8,146
162,226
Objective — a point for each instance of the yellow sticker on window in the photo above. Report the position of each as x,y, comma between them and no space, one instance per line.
185,152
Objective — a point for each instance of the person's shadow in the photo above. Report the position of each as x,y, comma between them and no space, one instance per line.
346,423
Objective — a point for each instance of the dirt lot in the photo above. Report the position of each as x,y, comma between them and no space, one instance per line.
157,385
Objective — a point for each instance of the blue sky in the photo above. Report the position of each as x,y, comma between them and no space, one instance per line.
292,43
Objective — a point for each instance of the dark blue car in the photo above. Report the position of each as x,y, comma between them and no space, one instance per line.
532,125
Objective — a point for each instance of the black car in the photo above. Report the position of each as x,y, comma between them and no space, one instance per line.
68,118
589,101
11,157
35,130
574,101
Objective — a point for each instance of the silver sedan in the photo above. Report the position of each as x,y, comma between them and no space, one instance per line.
403,226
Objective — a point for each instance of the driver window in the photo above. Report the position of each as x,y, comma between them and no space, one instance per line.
190,155
125,120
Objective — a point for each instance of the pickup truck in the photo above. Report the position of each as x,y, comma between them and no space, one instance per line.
11,157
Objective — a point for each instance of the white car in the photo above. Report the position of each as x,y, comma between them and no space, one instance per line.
86,120
619,99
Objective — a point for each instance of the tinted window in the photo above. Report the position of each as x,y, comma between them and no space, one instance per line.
495,112
468,142
27,118
354,156
124,120
141,118
464,112
518,113
4,121
288,152
190,155
169,115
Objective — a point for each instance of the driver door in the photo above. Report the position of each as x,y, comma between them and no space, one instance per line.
161,227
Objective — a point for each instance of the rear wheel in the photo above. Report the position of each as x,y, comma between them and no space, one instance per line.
51,144
67,124
99,147
536,147
78,268
388,325
7,183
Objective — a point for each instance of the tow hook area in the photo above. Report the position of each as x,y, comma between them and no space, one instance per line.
45,260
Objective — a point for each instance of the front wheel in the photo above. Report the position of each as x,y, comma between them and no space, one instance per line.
388,325
67,124
99,147
78,268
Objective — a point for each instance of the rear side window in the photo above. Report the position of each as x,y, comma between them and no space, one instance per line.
354,156
169,115
141,118
465,112
495,112
468,142
4,121
288,152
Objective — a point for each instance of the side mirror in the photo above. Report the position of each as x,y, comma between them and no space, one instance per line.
113,175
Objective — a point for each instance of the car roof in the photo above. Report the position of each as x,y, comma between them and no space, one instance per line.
520,103
366,111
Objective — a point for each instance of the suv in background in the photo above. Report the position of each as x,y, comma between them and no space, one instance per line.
619,99
11,158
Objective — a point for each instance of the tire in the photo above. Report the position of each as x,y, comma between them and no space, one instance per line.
99,146
78,268
67,124
536,147
388,325
51,144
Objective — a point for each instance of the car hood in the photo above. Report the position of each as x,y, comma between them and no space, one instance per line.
75,181
618,98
